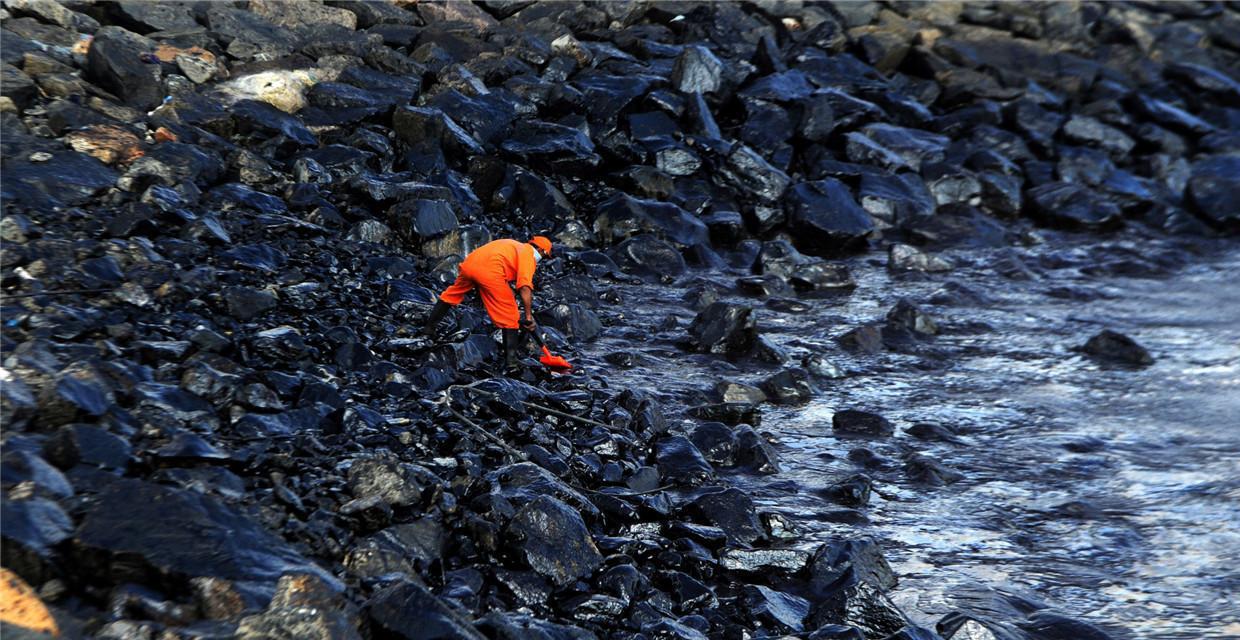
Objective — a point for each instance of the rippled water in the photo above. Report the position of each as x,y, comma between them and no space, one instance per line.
1108,494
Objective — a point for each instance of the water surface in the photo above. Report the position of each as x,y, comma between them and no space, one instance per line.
1106,493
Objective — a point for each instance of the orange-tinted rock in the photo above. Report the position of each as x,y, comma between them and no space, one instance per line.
108,143
168,53
163,134
20,605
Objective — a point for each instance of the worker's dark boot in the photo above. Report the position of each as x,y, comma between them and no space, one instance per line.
436,316
512,349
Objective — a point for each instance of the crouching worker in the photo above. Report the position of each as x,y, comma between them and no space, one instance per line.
494,269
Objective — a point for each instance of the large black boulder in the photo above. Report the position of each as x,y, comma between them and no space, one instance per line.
87,444
122,62
173,535
552,539
1071,205
430,131
851,599
716,441
747,170
171,163
893,199
649,257
622,216
853,491
32,528
67,179
679,461
575,321
249,35
1204,78
157,16
552,145
860,556
731,510
488,117
17,86
923,469
525,482
1214,189
409,611
825,220
418,220
520,626
19,465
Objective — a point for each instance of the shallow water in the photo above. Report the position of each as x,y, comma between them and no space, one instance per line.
1104,493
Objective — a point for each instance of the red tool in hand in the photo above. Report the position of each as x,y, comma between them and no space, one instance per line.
553,362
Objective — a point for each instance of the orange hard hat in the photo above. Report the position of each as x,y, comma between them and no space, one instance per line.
542,243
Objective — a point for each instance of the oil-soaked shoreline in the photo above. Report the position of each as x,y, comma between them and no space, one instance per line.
225,224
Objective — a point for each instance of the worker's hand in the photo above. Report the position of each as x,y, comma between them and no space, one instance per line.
527,324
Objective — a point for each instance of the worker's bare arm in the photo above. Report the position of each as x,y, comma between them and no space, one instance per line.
527,303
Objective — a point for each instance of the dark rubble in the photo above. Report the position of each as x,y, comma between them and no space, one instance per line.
224,223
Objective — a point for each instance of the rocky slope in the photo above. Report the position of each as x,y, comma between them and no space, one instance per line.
223,223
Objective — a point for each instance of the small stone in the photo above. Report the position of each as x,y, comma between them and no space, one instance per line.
1118,348
903,257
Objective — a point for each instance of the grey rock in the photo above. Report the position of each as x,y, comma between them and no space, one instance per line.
763,560
748,170
399,484
697,70
903,257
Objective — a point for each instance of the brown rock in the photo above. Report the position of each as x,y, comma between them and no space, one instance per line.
168,53
217,598
108,143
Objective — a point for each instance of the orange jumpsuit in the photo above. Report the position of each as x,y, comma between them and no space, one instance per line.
490,268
